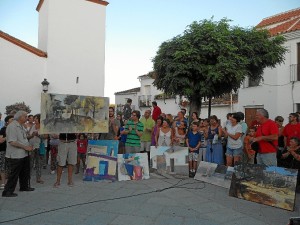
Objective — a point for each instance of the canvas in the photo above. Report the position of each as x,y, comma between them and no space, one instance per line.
100,167
273,186
170,159
104,147
73,114
213,173
133,166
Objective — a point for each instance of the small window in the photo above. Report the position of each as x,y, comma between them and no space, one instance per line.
253,83
297,107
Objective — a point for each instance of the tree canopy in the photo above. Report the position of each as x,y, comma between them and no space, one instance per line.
16,107
212,58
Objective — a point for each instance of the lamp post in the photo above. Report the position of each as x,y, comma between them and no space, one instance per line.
45,84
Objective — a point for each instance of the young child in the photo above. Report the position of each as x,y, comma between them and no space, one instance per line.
82,144
249,153
122,138
193,142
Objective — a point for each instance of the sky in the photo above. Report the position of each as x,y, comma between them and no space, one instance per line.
136,28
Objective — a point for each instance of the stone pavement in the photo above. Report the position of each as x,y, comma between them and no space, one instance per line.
160,200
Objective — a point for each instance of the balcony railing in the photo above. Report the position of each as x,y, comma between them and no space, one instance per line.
295,72
144,101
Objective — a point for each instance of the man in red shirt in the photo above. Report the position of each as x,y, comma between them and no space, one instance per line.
267,138
292,129
156,111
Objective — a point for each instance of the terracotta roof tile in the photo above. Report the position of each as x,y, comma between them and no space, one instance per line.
129,91
282,23
22,44
284,27
105,3
279,17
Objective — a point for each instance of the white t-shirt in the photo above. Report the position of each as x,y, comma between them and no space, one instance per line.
234,144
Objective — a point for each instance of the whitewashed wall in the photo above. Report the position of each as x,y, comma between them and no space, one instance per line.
72,32
21,76
277,93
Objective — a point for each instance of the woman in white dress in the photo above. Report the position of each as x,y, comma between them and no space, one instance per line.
164,135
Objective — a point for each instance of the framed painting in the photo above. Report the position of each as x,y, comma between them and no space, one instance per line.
133,166
213,173
100,167
104,147
170,159
273,186
73,114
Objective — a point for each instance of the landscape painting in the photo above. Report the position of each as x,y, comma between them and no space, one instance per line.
104,147
100,167
73,114
133,166
273,186
213,173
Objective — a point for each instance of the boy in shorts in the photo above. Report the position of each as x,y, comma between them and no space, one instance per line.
193,142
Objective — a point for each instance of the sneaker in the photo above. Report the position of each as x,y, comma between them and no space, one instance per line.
52,172
2,186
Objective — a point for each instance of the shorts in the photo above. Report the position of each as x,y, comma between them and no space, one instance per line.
132,149
67,152
2,161
234,152
145,146
193,156
81,156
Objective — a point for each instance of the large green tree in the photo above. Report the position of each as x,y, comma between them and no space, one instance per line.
212,58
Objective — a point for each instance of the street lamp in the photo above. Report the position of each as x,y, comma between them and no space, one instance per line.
45,84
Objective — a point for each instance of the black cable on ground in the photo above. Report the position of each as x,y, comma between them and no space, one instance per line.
109,199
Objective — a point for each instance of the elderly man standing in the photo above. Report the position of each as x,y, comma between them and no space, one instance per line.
17,154
267,138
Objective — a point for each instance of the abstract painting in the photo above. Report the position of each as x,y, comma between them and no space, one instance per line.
273,186
213,173
104,147
100,167
133,166
73,114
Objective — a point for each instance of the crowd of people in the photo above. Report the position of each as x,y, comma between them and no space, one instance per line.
24,150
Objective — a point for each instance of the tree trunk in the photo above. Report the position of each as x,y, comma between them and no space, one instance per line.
195,106
209,107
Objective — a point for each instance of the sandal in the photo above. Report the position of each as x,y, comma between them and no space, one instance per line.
70,184
40,181
56,185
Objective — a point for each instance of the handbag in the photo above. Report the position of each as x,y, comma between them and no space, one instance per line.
42,148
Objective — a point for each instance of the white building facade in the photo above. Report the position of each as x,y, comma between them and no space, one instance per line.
279,92
143,96
70,54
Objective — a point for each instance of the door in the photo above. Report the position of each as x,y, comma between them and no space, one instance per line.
250,115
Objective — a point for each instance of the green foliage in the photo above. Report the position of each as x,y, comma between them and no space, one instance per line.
212,58
16,107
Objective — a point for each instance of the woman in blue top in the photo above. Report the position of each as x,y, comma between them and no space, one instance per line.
214,149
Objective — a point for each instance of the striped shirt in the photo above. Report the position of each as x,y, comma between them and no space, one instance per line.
132,138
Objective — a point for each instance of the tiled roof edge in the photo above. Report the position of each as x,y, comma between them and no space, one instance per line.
23,45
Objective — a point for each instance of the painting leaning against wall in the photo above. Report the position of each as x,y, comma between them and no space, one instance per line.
73,114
